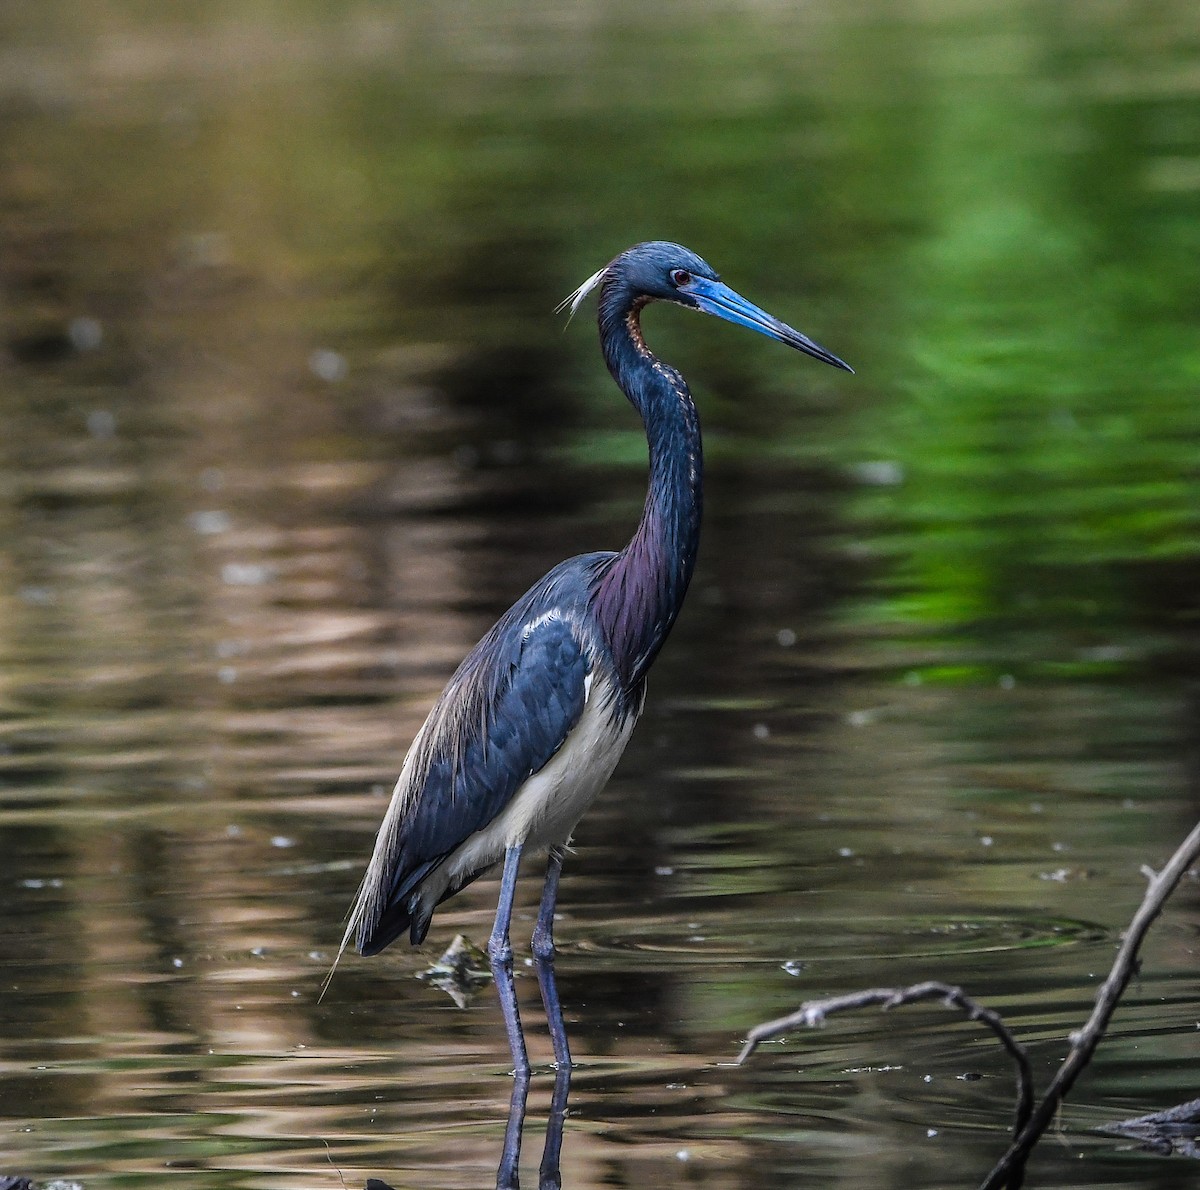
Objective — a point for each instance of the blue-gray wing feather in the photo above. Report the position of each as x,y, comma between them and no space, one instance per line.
505,713
537,697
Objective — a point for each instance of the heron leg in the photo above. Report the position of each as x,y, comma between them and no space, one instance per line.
543,954
500,955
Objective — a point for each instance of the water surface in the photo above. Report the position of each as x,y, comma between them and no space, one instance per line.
288,420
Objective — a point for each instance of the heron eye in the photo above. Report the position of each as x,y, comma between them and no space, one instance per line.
680,276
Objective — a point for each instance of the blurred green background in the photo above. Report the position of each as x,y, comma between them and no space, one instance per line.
287,418
992,209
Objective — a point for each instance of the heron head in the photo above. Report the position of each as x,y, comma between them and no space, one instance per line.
661,271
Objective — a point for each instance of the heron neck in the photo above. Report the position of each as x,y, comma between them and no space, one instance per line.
639,596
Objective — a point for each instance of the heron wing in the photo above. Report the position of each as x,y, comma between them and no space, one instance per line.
536,693
505,713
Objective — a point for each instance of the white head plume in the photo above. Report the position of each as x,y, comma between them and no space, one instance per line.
575,298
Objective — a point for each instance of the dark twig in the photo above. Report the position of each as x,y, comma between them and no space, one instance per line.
1171,1130
1031,1121
1085,1040
814,1012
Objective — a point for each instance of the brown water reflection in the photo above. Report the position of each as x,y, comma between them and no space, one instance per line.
189,793
287,420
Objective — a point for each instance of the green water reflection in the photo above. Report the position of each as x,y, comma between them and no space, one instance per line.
288,418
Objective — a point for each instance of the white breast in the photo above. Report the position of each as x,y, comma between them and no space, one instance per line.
547,807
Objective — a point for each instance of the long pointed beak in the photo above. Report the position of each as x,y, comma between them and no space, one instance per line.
716,298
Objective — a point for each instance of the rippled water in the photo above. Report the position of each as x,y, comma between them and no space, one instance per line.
288,421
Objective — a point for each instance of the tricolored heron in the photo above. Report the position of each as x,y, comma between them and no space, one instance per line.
532,723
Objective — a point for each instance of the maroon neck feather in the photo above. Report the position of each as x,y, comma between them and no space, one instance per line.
639,596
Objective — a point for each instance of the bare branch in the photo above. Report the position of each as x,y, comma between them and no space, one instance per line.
1172,1130
1084,1042
814,1012
1030,1122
